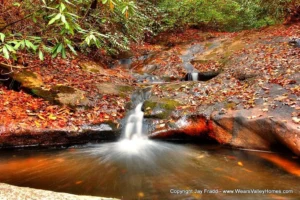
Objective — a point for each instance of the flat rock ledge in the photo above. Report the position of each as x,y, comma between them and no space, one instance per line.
246,129
10,138
9,192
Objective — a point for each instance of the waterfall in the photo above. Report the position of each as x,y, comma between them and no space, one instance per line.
194,76
134,124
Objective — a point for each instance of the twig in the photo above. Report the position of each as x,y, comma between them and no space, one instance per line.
5,74
7,66
12,23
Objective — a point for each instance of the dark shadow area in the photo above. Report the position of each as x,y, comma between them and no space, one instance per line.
200,76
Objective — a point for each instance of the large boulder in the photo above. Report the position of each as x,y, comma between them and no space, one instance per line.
252,130
32,137
62,94
13,192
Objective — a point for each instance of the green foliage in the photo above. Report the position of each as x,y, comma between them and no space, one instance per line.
61,27
219,14
64,26
10,44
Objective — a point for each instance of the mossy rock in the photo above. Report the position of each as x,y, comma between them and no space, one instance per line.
28,79
63,89
111,88
208,45
61,94
224,50
231,105
90,66
159,108
44,93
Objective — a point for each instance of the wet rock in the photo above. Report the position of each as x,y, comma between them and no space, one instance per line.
239,130
295,42
14,192
32,137
185,128
159,108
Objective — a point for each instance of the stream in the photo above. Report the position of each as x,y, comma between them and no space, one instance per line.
139,168
157,170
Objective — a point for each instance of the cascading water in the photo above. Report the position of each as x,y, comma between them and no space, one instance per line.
134,124
194,76
134,141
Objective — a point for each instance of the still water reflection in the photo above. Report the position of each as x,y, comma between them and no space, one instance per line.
156,170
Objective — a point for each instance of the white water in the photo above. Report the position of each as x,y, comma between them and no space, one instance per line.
134,141
195,76
134,124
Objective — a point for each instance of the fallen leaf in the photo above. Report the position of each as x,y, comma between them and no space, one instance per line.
296,120
52,117
41,117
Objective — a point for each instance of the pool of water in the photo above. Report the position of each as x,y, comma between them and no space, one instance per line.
154,170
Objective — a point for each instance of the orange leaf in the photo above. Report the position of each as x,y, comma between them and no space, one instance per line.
37,124
41,117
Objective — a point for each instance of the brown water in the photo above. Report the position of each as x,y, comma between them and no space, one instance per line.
154,171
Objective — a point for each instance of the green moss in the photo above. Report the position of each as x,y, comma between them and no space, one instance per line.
208,45
230,105
150,104
45,94
165,107
169,104
94,70
125,88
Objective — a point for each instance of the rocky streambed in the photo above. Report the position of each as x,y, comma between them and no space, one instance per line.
251,101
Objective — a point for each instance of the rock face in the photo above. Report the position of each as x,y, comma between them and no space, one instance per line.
263,133
185,128
61,94
8,192
253,103
58,137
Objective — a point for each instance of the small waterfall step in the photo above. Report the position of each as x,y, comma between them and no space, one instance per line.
134,124
200,76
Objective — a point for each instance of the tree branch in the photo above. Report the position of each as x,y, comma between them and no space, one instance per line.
9,67
12,23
